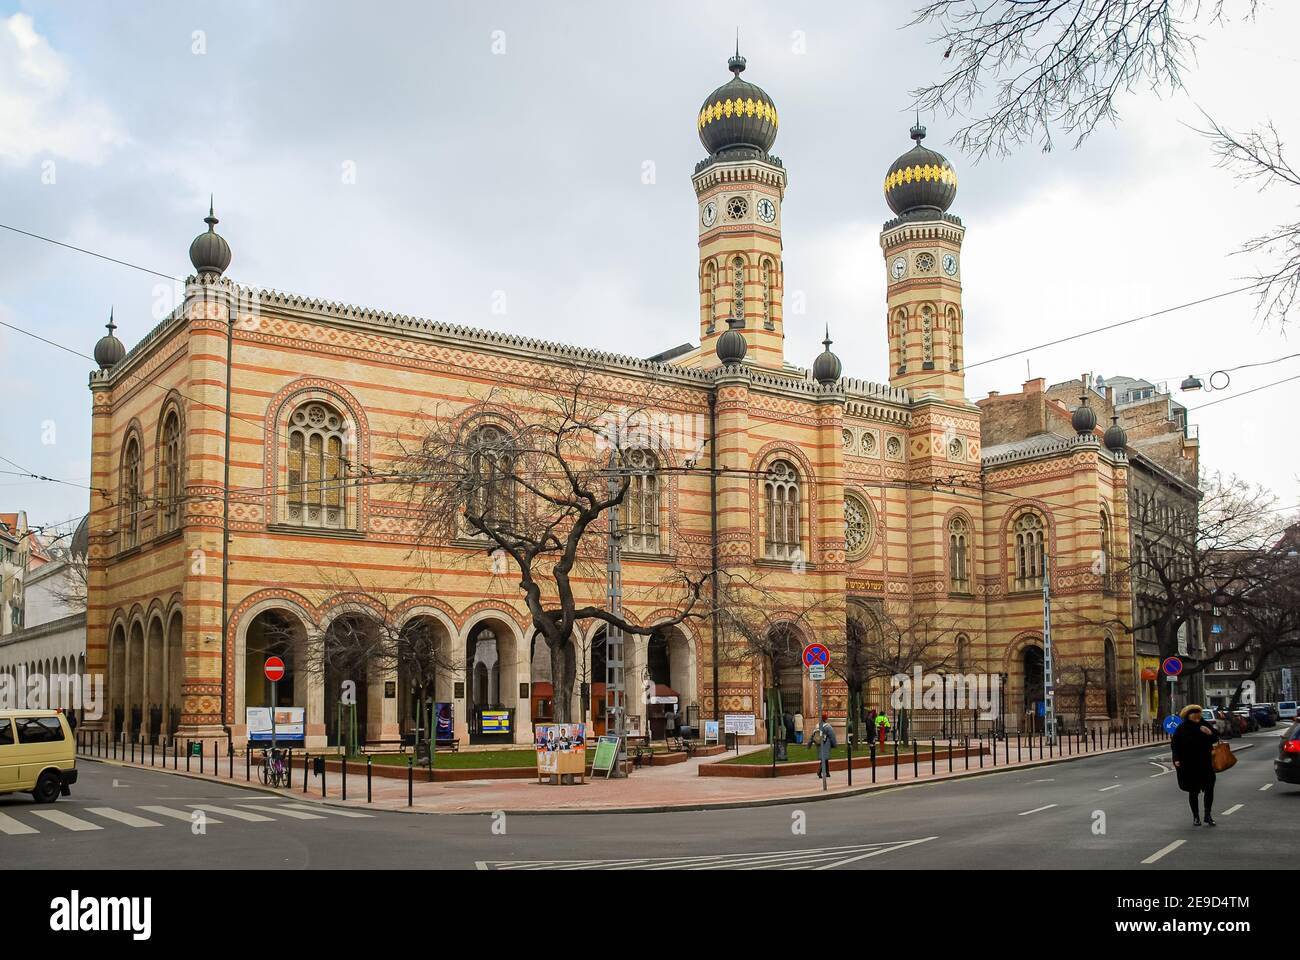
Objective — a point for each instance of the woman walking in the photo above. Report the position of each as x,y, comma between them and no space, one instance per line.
1192,742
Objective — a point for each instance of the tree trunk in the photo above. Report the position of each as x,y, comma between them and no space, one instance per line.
562,675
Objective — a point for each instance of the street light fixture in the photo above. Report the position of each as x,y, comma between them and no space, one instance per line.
1191,383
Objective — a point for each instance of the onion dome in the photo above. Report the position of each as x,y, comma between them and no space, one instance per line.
1084,418
1116,438
209,252
731,346
737,115
109,351
827,367
921,181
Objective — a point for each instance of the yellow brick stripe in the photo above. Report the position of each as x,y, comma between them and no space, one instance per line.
749,107
926,171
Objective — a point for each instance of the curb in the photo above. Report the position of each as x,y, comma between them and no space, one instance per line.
653,808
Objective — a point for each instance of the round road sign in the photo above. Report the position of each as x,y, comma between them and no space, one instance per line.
1172,666
1171,724
274,669
816,653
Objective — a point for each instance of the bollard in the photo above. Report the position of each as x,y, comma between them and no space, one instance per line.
324,775
344,795
188,750
895,759
873,759
203,756
369,761
230,760
965,746
410,781
915,760
932,756
248,764
288,770
950,754
153,752
306,759
1017,746
980,746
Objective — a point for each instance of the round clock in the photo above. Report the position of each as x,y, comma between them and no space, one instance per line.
766,210
710,213
950,264
898,268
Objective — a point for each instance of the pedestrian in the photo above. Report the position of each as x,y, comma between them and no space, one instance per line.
787,721
823,739
798,728
670,723
1192,743
882,724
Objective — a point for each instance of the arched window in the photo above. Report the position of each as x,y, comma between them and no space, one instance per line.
782,489
954,338
491,497
641,505
963,653
1027,542
1112,683
169,472
900,340
1104,560
767,277
317,494
858,526
959,555
132,502
710,292
738,290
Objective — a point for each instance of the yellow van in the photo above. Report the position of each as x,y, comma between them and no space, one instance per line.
38,754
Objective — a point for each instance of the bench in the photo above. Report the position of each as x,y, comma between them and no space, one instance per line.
379,745
682,745
452,745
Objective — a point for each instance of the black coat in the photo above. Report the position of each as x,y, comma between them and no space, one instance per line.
1191,749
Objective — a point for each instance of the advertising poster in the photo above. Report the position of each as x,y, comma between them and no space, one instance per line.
290,724
442,721
561,748
495,722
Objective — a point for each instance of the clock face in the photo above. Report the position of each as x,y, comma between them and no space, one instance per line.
899,267
950,264
709,214
766,210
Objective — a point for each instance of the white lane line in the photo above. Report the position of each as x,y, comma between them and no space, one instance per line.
1114,786
67,820
175,814
14,827
334,810
1267,786
1232,809
1037,810
873,853
1243,746
282,811
1163,850
231,812
130,819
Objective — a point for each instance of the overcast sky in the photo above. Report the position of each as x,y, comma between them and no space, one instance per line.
504,147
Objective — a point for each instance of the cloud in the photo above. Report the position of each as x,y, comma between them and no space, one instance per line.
41,114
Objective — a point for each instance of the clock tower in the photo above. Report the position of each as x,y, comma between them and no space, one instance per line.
739,188
922,249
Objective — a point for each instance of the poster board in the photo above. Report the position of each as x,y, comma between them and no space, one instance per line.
290,724
495,722
741,724
561,749
606,756
710,731
633,722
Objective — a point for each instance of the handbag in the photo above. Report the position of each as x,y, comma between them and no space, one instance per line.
1222,757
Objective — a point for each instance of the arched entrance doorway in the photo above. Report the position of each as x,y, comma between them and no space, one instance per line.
786,673
346,648
491,673
1111,679
1032,678
117,679
423,660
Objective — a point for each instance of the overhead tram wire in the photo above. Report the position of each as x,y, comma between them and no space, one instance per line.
1275,383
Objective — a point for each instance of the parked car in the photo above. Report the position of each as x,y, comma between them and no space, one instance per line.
1252,722
1263,715
1286,710
1287,764
37,754
1273,712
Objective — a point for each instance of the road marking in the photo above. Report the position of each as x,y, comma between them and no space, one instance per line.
1232,809
1114,786
1267,786
840,863
334,810
185,815
67,820
130,819
1037,810
1244,746
1163,850
14,827
282,811
230,812
816,857
1163,769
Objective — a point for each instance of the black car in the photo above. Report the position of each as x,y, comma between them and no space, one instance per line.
1287,764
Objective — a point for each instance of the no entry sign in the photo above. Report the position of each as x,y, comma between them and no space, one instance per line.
274,669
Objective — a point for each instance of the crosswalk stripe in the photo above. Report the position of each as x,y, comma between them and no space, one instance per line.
1267,786
334,810
67,820
1232,809
1026,813
185,815
14,827
282,811
231,812
130,819
1163,850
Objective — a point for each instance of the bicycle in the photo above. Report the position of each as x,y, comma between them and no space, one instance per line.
274,773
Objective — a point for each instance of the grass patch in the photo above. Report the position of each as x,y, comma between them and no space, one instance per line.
802,753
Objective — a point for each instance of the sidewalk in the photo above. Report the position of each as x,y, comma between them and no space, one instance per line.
648,789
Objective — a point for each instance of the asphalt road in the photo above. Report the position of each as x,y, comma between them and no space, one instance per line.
1120,811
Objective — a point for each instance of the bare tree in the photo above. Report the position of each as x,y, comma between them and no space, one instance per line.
1057,63
534,489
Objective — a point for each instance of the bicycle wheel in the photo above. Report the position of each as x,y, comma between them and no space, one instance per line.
266,772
